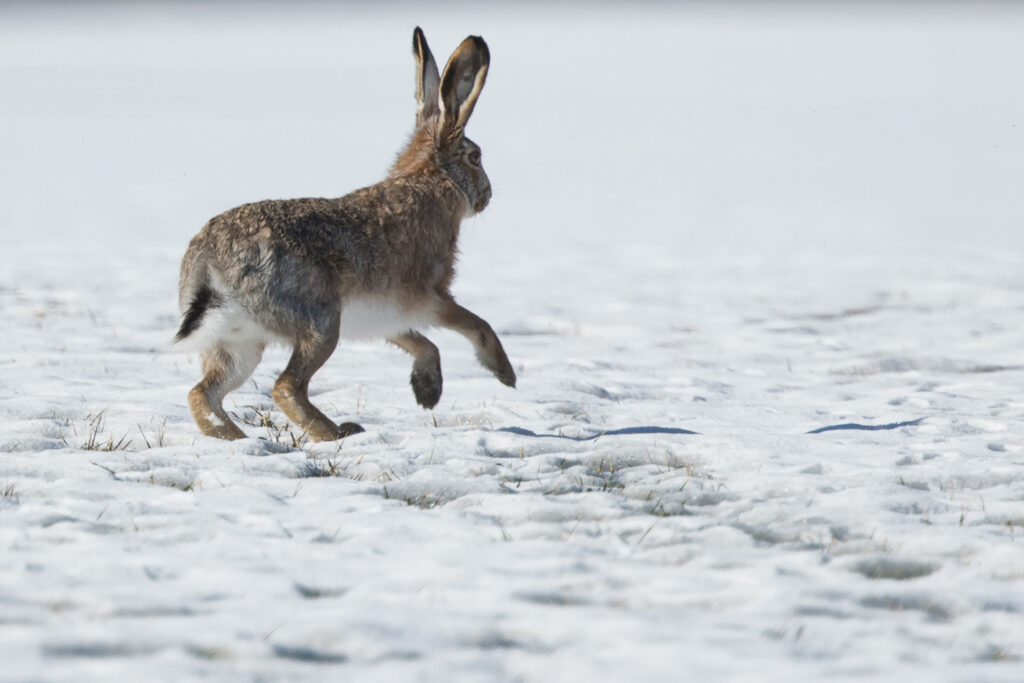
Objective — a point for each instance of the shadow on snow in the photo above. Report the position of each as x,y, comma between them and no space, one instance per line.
867,428
631,431
628,431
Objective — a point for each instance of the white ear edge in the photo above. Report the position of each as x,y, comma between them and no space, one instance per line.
469,100
428,80
466,94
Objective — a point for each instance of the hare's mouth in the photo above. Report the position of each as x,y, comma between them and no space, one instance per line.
482,202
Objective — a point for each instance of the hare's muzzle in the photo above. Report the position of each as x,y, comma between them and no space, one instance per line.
483,200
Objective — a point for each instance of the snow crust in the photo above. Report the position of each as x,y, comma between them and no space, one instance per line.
715,230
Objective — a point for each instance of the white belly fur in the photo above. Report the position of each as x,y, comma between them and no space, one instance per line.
229,325
371,317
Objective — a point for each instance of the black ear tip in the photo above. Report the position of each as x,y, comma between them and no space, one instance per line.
480,45
417,38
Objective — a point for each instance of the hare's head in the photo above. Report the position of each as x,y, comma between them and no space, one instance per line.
444,104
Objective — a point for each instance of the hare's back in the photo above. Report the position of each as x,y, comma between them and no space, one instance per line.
310,225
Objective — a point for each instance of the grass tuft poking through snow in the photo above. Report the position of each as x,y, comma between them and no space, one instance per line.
94,441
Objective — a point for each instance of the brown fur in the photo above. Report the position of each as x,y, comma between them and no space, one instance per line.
290,267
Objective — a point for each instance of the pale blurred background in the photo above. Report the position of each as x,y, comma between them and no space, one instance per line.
750,126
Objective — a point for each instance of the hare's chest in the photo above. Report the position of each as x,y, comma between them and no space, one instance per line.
369,317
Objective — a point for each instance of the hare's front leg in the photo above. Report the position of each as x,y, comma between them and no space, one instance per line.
488,347
426,367
291,391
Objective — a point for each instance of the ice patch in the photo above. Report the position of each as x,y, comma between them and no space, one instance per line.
894,568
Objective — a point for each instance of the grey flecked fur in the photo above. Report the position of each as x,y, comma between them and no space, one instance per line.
292,265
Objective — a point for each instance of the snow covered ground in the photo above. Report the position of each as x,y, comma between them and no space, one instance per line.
745,222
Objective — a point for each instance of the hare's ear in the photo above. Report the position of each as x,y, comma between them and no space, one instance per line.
461,83
427,81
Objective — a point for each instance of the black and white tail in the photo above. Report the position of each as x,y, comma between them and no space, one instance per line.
193,318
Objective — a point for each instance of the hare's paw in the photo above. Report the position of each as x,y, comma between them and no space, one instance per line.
506,375
325,430
426,385
348,429
500,366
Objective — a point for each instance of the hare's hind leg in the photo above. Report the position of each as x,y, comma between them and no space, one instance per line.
225,368
291,391
426,368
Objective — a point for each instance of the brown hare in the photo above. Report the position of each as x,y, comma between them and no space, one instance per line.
378,262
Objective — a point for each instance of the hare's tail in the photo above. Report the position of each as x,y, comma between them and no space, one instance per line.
196,291
201,300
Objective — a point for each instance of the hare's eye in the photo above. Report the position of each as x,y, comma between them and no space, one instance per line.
474,158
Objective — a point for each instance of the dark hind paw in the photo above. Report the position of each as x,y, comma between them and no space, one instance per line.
426,385
348,429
